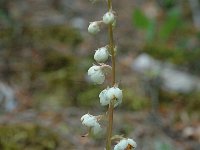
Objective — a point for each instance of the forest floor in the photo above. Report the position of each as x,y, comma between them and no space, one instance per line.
150,132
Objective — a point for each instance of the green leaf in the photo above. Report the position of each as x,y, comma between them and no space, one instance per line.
140,20
151,31
172,22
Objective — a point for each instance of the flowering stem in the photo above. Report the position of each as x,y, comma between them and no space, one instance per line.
111,106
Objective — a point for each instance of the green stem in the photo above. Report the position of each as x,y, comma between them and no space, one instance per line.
111,106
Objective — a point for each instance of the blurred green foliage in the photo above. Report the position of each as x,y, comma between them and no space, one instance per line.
172,38
27,137
171,23
41,37
134,101
183,57
163,145
140,20
155,30
167,3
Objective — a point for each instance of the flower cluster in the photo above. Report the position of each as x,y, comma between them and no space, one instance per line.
111,96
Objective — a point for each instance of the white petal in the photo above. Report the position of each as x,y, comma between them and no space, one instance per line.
89,120
98,78
96,129
132,143
122,145
93,69
103,98
115,93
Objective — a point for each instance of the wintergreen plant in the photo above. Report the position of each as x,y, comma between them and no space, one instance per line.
111,96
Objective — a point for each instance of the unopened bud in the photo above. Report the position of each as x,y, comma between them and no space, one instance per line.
96,74
101,55
93,28
108,18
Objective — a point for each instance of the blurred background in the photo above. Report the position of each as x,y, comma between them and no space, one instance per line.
45,52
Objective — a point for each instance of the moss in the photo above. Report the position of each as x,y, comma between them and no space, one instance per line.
46,35
89,96
193,102
27,137
40,37
53,73
134,101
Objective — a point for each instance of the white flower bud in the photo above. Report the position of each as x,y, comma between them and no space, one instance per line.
125,144
101,55
115,93
110,94
93,28
91,122
108,18
96,74
88,120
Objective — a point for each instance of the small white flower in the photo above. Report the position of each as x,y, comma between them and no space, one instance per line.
109,94
88,120
125,143
115,93
93,28
101,55
91,122
96,74
108,18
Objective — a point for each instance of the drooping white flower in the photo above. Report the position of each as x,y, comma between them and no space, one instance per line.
88,120
96,74
125,143
91,122
108,18
122,145
114,93
93,27
109,94
101,55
